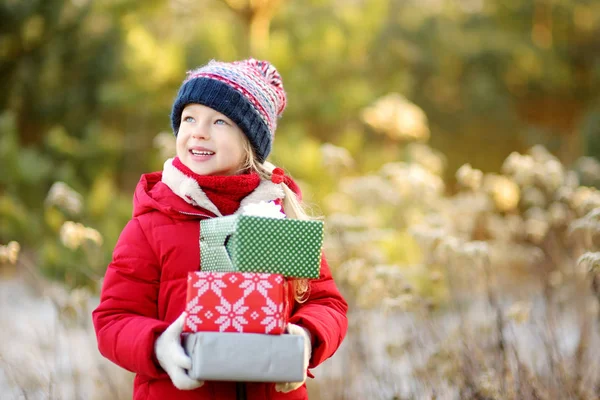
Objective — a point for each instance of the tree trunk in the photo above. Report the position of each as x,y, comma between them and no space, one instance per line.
257,15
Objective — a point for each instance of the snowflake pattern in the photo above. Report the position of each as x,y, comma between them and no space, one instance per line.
254,282
274,315
194,309
236,302
232,315
212,282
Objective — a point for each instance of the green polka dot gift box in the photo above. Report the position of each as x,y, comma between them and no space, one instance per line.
244,243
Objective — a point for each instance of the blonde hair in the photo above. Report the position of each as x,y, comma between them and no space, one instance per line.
291,205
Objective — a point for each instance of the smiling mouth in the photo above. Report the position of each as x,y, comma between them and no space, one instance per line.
202,153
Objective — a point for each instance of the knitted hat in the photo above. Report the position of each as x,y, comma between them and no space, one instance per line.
249,92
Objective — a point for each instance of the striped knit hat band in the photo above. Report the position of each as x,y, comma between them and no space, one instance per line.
249,92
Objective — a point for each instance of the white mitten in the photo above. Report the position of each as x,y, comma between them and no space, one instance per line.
172,357
292,329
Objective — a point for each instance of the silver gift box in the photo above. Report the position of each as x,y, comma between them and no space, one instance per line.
245,357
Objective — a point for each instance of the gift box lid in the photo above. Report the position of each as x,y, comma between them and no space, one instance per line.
257,244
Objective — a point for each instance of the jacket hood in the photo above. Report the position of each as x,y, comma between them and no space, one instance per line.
152,194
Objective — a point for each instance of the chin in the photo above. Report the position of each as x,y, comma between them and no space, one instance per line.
203,171
209,171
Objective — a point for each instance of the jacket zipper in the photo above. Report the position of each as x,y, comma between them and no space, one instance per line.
195,215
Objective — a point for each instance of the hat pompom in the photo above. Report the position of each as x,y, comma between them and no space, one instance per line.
271,75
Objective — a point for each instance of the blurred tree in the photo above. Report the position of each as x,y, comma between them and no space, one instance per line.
56,55
257,16
88,85
590,131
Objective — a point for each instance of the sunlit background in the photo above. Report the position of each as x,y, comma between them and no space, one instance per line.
452,146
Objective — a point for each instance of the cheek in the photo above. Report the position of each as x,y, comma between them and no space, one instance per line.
237,147
180,145
240,151
235,155
180,139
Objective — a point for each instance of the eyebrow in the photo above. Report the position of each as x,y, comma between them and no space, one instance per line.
215,114
225,117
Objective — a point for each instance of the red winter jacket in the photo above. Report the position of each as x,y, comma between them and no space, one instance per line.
144,291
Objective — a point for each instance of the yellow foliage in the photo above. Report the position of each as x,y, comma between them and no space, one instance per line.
280,51
353,140
13,212
401,247
221,38
153,62
585,18
101,195
32,30
59,140
354,94
529,62
50,253
54,218
301,156
333,42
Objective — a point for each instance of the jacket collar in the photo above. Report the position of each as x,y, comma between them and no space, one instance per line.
188,189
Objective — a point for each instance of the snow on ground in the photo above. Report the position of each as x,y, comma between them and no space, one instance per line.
44,355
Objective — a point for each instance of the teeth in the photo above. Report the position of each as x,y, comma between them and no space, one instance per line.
202,153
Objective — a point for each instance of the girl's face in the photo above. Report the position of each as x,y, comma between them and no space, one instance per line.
208,142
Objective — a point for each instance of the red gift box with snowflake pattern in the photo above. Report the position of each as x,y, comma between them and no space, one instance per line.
241,302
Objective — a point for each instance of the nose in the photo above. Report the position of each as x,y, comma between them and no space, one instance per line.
201,132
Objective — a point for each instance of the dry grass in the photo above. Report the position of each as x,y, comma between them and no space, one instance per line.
479,349
48,346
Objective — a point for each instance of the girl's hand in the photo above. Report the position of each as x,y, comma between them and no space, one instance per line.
172,357
292,329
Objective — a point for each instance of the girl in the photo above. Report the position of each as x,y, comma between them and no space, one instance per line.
224,118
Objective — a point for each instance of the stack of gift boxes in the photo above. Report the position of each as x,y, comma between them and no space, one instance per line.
238,303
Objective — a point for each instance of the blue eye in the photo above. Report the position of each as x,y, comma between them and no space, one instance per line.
189,119
221,122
